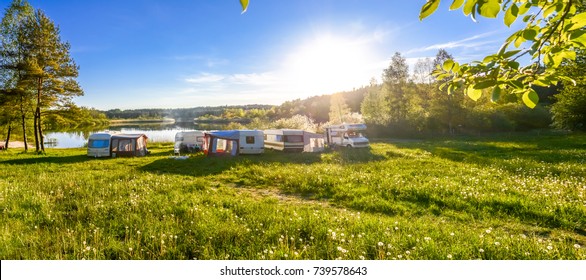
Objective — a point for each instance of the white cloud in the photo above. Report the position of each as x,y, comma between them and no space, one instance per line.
466,43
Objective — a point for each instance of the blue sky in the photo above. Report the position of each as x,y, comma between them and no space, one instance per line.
188,53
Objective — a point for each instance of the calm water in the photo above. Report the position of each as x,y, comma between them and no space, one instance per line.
155,133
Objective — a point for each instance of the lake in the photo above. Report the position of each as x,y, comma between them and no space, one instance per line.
155,133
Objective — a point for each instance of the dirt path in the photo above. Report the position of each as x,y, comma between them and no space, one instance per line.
14,144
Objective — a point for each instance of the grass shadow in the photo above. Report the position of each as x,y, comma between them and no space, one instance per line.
48,159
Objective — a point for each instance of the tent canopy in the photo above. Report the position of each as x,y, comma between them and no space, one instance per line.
129,145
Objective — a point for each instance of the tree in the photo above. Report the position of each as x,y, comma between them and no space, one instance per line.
374,107
554,31
338,109
51,70
569,110
395,78
13,86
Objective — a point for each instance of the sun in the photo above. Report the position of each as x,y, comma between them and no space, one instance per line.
329,64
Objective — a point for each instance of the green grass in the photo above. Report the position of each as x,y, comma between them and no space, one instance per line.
501,197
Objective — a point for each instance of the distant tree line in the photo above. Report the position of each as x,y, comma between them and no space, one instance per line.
409,103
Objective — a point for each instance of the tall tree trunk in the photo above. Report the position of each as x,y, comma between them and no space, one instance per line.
41,136
38,126
8,137
36,134
24,132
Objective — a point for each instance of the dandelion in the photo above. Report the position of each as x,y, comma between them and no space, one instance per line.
311,237
407,252
497,243
577,246
488,231
130,249
400,256
380,244
481,250
549,247
427,238
361,257
452,234
286,255
449,256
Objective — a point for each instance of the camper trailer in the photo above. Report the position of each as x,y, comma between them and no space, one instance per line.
251,141
293,140
188,141
128,145
288,140
233,142
99,145
346,135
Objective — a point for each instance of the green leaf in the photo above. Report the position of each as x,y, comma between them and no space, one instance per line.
515,84
511,15
490,58
578,37
513,64
496,94
473,93
549,10
456,4
529,34
489,9
244,4
510,53
469,7
578,21
428,9
448,65
524,8
484,84
530,98
520,40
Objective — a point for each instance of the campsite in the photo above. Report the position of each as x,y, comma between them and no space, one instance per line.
497,197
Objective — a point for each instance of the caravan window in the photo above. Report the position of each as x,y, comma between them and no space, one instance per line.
249,139
99,143
294,138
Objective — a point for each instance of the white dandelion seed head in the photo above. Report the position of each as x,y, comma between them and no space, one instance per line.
577,246
380,244
449,256
481,250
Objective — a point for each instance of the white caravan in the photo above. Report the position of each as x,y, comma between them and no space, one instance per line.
346,135
288,140
251,142
188,141
99,145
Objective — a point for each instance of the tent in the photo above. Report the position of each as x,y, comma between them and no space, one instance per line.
220,143
313,142
128,145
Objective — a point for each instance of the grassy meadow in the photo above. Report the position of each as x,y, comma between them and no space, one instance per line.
519,196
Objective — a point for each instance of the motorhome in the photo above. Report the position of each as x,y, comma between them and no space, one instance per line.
188,141
293,140
99,145
346,135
